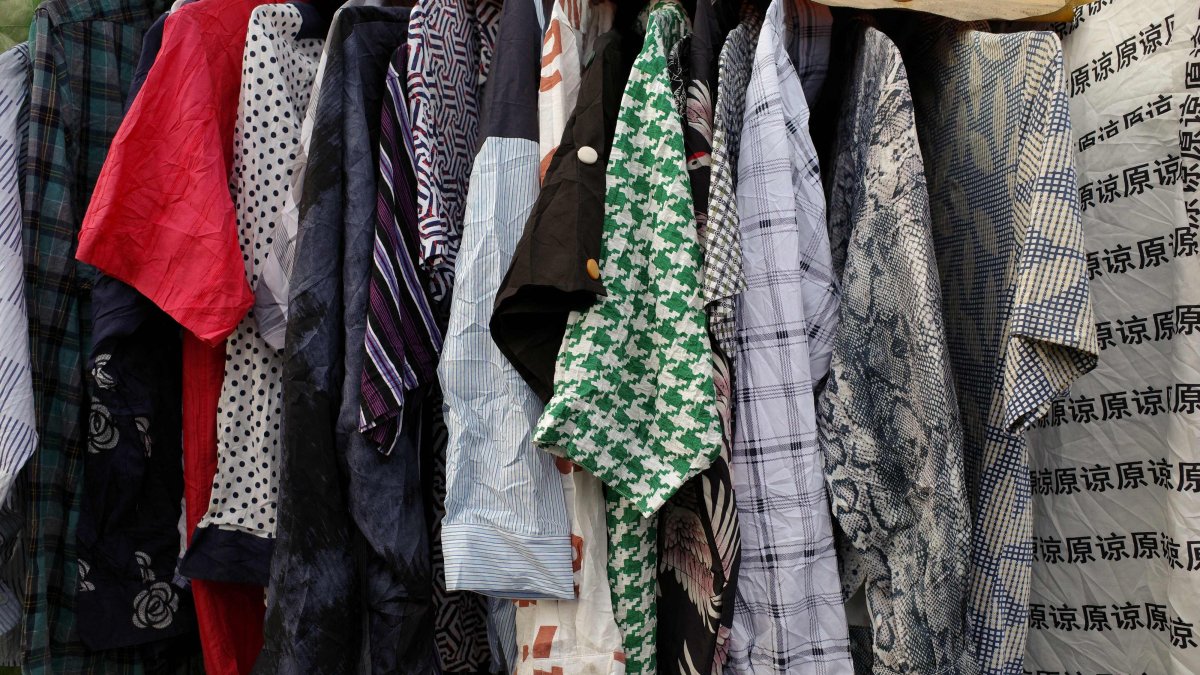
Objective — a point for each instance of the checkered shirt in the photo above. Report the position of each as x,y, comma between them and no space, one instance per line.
723,278
789,616
1019,321
83,53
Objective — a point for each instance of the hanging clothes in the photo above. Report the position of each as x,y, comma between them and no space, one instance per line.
580,634
651,318
506,531
571,33
699,542
534,300
317,577
404,338
443,88
887,418
789,614
1014,282
129,545
70,40
196,274
18,430
18,423
723,278
582,627
1113,465
399,306
128,553
234,538
448,57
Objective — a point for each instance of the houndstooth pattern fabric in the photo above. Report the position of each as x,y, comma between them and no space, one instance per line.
632,576
887,418
699,542
789,616
723,277
1006,224
634,401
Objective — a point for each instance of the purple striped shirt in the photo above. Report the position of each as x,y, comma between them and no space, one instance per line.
403,338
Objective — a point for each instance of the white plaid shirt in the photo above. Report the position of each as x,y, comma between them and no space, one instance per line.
789,616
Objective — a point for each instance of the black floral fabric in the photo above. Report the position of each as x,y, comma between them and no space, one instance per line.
128,538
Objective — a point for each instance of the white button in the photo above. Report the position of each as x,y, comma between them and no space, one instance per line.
587,154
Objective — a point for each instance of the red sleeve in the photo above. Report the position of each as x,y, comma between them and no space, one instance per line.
161,218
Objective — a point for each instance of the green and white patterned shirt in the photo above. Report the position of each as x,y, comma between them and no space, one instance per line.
633,400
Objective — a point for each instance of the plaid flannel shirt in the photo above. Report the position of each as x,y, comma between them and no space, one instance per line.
789,615
84,53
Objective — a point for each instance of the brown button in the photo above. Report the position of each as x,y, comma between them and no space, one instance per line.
593,268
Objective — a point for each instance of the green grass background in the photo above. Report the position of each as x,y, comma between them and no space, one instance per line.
15,16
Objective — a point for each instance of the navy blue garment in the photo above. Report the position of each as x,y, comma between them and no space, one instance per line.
341,549
128,532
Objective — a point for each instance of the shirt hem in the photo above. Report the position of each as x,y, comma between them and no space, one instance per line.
234,556
494,562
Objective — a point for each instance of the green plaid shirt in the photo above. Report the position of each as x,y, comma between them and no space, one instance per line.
84,53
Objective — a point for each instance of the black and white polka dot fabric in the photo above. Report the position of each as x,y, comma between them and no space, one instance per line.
277,76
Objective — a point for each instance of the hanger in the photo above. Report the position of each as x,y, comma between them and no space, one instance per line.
974,10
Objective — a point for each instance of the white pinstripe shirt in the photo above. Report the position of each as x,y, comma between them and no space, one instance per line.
506,531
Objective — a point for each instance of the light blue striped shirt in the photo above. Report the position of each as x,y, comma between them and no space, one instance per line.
18,433
506,531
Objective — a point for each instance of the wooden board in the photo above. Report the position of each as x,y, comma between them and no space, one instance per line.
965,10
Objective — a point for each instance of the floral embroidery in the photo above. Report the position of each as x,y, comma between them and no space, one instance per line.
100,375
143,561
102,434
143,427
155,607
84,584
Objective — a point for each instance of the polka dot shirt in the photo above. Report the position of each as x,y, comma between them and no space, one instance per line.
277,78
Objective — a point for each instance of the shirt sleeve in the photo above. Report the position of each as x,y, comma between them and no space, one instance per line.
161,218
1052,330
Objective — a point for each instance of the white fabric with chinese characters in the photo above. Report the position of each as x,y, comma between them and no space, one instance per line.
1116,478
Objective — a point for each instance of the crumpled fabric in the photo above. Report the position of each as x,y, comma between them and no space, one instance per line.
341,551
192,267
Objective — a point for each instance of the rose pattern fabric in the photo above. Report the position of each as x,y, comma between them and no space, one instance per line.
84,584
99,375
102,435
155,607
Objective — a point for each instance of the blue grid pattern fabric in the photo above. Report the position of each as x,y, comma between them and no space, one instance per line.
996,135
